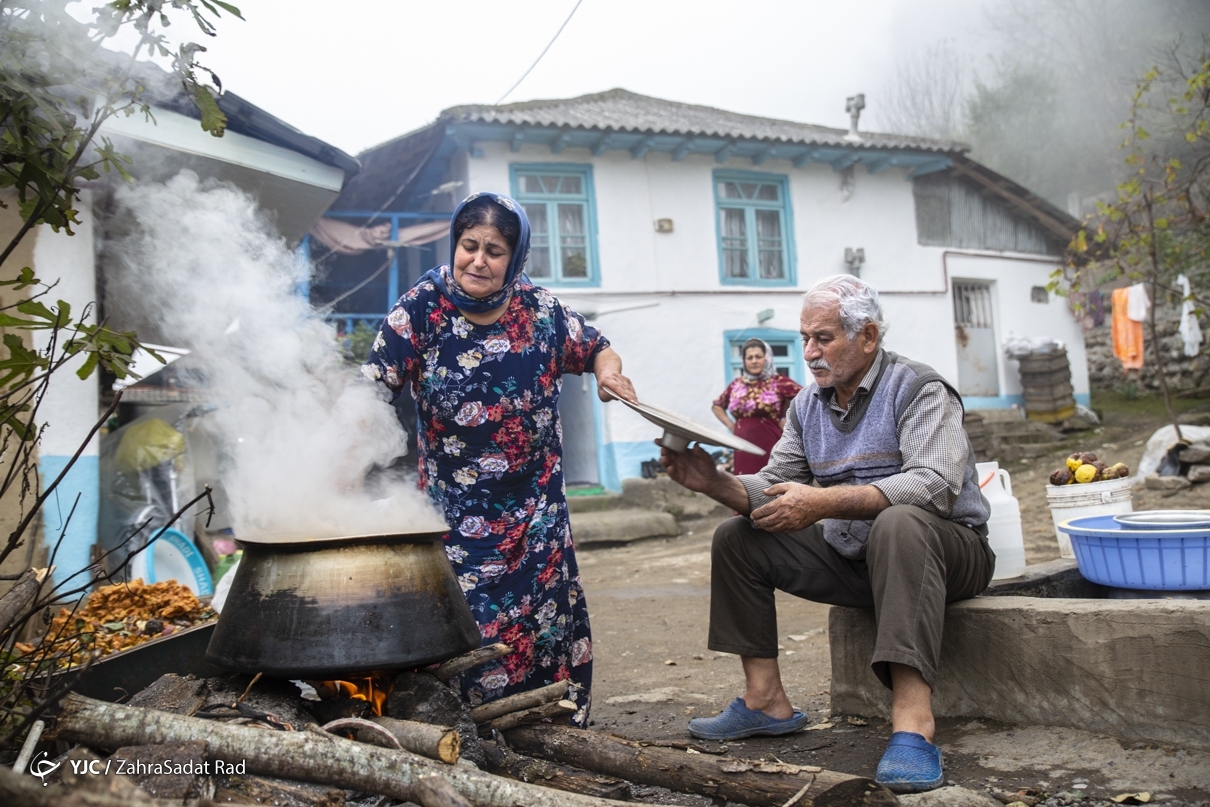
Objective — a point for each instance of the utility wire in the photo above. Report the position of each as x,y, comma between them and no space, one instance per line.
543,53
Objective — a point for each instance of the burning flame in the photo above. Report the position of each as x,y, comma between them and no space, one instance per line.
371,690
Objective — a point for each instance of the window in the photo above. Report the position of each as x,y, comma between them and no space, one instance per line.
786,347
558,202
755,245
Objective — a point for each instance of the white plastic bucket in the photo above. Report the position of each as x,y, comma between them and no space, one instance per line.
1109,498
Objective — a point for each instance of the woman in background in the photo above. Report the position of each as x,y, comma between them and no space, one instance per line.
757,401
484,351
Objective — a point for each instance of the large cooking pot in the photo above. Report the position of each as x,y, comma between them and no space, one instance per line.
327,608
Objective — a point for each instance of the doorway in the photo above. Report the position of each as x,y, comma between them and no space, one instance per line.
975,335
576,414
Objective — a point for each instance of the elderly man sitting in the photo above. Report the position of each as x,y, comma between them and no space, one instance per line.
897,523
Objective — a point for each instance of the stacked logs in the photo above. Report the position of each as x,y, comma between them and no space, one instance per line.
281,754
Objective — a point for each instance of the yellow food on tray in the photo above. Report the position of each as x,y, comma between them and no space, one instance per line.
114,618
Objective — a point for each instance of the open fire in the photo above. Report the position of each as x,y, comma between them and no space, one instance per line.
374,689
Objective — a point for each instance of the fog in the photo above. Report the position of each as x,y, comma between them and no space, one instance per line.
199,264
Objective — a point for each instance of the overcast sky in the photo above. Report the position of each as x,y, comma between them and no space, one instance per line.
358,72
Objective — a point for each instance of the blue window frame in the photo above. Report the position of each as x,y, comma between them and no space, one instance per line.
558,199
755,241
786,347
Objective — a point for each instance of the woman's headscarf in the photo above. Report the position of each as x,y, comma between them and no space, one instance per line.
767,372
443,276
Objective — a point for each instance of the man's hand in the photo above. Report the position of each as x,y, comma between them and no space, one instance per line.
693,469
795,507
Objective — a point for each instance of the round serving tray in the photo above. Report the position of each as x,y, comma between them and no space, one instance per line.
680,431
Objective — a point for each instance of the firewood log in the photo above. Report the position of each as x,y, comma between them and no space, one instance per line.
758,783
434,742
553,710
305,756
506,762
15,601
468,661
522,700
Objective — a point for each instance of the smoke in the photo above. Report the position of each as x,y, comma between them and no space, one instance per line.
205,270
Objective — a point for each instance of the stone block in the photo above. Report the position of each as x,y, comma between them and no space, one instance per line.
952,796
621,526
1167,484
1196,454
1199,473
1133,669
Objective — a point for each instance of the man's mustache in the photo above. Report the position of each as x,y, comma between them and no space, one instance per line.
819,364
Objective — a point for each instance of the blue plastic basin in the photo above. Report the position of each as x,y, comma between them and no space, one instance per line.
1156,560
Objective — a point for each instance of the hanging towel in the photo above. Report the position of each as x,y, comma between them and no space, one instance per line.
1127,333
1137,302
1191,331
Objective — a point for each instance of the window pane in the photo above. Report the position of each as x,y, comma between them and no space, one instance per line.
748,189
735,242
550,184
728,190
768,227
572,244
530,184
571,219
771,265
539,243
780,351
768,193
572,185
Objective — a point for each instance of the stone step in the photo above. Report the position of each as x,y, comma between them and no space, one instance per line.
621,526
595,504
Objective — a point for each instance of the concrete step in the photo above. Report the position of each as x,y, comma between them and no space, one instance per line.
621,526
595,504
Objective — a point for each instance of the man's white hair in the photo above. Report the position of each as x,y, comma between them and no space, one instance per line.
857,300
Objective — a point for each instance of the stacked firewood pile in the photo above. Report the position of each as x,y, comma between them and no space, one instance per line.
228,740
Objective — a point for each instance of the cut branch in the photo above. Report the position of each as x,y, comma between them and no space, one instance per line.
546,711
303,755
506,762
468,661
522,700
18,598
761,784
435,742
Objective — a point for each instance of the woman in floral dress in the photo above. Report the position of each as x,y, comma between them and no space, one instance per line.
757,401
483,351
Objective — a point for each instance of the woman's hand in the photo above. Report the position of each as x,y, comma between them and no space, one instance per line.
721,414
610,382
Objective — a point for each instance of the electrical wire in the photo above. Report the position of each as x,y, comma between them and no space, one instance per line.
543,53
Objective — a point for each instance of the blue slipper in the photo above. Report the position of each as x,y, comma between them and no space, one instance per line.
910,764
738,721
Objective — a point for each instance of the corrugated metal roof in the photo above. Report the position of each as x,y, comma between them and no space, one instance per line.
624,111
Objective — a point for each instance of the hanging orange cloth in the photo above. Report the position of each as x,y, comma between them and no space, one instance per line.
1127,334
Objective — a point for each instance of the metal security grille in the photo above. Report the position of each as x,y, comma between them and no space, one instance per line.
972,305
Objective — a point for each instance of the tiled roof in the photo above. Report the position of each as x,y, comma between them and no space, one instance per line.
620,110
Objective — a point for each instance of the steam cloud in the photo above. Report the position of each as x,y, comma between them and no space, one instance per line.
298,427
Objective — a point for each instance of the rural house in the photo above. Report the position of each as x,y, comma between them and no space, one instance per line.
683,230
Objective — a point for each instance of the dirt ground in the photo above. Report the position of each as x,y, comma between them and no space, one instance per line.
652,672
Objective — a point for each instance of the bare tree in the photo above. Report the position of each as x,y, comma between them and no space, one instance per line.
926,95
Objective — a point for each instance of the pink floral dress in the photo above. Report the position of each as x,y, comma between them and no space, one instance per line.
758,407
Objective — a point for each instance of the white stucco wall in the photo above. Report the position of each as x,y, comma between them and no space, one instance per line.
70,406
674,349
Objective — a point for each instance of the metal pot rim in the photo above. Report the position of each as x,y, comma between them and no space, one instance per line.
295,540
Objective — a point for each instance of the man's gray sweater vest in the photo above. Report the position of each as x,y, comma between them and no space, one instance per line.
865,447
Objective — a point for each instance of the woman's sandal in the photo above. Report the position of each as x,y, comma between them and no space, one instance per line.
910,764
738,721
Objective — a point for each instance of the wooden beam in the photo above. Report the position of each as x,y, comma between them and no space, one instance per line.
841,163
518,138
807,156
602,143
930,167
762,155
682,149
876,165
643,147
726,151
560,143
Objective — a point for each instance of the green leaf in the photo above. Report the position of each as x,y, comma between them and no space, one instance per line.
213,119
23,280
90,364
115,625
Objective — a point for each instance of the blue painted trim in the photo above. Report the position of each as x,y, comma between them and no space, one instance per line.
722,154
302,288
607,466
930,167
518,138
599,147
393,271
583,170
757,159
560,143
628,458
810,155
84,481
841,163
642,148
790,255
770,335
1007,401
683,148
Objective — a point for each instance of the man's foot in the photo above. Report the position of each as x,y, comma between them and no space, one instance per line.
738,721
910,764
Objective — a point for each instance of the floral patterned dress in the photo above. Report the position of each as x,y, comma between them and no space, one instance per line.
490,452
758,407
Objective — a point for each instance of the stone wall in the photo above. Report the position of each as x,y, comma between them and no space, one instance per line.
1184,373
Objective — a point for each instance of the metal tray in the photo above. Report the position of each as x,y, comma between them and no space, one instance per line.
1165,520
680,431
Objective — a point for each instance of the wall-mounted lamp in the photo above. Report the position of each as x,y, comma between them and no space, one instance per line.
663,225
764,316
854,258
